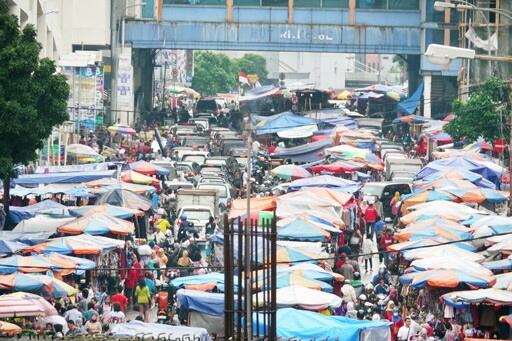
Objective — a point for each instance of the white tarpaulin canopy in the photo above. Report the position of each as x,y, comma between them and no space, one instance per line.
491,295
434,263
81,149
41,223
298,132
306,298
448,251
157,330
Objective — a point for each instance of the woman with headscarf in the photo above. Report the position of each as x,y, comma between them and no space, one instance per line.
394,204
185,262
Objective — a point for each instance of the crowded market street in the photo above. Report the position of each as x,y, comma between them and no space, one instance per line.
251,170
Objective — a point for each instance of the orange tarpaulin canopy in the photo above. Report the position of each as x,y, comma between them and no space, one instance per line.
138,178
341,198
239,206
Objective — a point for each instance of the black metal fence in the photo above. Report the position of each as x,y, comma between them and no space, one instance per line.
256,321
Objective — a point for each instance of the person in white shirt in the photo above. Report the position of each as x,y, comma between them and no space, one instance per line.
74,315
255,147
404,333
349,293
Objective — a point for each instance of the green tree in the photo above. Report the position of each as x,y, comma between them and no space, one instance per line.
252,63
483,114
32,97
213,73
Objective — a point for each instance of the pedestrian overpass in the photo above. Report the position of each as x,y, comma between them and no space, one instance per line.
387,26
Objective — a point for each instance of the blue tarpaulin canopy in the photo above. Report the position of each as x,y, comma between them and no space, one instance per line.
410,103
301,230
212,277
306,325
203,302
461,163
308,152
327,181
62,178
281,122
17,214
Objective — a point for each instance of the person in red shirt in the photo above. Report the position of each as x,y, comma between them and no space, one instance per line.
371,216
385,241
134,274
120,298
271,149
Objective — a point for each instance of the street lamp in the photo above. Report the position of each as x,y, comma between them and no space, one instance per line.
443,54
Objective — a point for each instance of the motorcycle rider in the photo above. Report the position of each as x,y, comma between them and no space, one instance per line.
382,288
370,294
383,273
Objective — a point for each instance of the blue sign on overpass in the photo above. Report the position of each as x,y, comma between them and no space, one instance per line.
267,29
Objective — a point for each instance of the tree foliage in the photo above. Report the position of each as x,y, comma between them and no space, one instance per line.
483,115
213,73
32,97
252,64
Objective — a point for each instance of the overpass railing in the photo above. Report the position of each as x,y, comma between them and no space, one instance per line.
360,4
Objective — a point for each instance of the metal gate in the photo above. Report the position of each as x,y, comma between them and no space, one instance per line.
250,297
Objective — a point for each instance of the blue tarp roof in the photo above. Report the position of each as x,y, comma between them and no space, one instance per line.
62,178
203,302
25,237
410,103
306,325
328,181
17,214
211,277
308,152
300,230
281,122
460,163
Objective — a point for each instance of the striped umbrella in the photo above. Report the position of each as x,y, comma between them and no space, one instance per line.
23,304
46,285
446,279
98,223
121,129
424,196
78,245
24,264
114,211
286,279
290,172
434,228
286,254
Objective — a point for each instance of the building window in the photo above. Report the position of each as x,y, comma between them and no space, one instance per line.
335,3
404,4
371,4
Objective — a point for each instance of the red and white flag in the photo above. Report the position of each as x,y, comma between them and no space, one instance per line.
242,78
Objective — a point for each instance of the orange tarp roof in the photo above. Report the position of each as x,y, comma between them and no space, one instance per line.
239,206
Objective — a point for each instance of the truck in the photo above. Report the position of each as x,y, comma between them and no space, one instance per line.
401,164
198,205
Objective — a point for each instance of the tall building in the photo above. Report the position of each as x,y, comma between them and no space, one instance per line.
64,26
46,17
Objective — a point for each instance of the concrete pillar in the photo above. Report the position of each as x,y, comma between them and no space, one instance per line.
413,72
427,109
143,79
290,11
352,12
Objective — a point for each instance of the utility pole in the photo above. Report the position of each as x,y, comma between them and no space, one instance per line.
248,246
